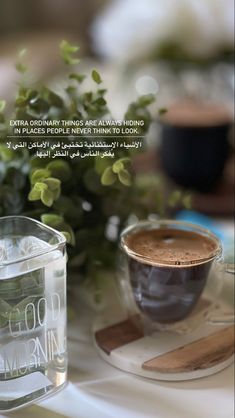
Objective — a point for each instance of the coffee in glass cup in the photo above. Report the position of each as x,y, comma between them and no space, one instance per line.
168,265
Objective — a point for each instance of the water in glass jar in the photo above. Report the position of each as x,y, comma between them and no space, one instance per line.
33,358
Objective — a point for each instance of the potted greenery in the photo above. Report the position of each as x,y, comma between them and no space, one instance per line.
88,200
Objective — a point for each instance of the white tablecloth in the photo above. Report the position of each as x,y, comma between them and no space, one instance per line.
101,391
98,390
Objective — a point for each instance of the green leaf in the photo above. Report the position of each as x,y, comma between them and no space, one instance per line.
65,46
69,235
5,308
18,311
2,119
3,322
31,95
9,285
67,52
66,235
108,177
47,197
125,160
52,183
100,101
6,154
20,66
187,201
34,195
102,92
2,105
96,77
71,91
22,53
40,186
174,198
60,169
39,175
117,166
124,177
56,193
37,191
52,220
54,186
55,100
146,100
21,101
162,111
77,77
40,106
88,96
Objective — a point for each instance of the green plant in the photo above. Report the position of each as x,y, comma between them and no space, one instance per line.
88,200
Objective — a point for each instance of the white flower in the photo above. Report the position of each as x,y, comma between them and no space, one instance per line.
133,29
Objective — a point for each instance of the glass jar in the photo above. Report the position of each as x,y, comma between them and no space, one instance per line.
33,353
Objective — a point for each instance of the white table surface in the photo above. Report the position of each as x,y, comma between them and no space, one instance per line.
101,391
98,390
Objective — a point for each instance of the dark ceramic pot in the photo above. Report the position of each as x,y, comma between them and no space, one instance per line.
194,157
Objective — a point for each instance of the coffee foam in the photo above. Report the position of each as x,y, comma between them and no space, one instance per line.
170,246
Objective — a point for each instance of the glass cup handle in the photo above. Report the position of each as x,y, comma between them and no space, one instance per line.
225,318
230,268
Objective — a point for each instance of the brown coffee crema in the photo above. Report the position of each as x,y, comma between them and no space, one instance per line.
170,246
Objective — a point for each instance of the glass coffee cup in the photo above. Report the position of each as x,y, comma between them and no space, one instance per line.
170,270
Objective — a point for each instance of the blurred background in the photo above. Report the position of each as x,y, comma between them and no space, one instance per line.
180,50
159,46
